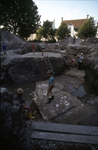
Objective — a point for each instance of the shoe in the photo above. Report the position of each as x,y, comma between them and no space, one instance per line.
33,117
49,101
52,98
30,115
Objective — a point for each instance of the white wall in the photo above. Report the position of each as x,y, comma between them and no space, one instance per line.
53,25
71,30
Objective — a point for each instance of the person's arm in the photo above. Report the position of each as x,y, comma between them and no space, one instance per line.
23,102
5,47
23,107
49,86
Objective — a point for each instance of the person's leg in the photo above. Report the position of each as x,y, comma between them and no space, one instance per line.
42,51
4,53
49,97
29,113
72,64
48,93
80,65
52,96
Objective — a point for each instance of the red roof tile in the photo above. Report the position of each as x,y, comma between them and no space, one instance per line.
77,23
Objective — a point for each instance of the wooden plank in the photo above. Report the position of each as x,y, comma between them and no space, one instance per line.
64,128
66,137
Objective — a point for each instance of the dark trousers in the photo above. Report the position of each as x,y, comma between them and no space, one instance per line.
79,65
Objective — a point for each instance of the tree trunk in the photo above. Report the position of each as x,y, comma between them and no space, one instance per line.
15,28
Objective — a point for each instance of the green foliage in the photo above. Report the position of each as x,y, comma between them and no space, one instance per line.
39,33
46,31
62,32
88,29
19,16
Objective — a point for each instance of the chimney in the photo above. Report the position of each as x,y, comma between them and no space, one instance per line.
87,16
61,19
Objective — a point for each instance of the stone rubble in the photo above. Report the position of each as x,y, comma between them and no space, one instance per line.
74,110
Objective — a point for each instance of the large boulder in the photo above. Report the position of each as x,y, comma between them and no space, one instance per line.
11,126
78,41
6,96
14,42
91,58
91,65
19,69
62,44
52,47
90,41
11,40
73,51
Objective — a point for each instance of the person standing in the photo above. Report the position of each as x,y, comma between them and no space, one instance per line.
43,47
4,48
80,61
51,86
72,61
33,48
74,39
21,100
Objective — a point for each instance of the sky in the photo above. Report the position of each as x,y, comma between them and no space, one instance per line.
68,9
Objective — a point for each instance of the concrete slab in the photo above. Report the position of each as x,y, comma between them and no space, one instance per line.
13,53
81,115
75,73
62,102
67,83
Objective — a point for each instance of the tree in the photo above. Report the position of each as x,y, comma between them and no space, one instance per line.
62,32
19,16
88,29
47,32
39,33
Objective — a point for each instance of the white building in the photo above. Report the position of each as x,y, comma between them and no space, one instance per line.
74,25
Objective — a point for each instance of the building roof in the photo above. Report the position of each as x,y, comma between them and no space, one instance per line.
77,23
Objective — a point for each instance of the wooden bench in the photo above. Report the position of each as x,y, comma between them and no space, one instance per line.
64,132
